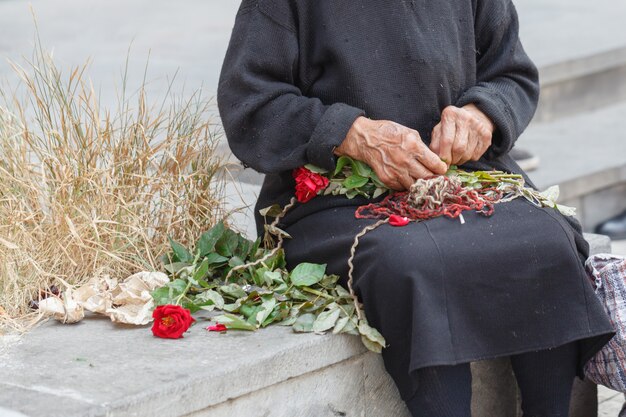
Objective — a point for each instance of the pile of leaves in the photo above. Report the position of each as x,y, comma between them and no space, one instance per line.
253,288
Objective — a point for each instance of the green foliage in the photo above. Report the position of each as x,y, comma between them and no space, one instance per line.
352,178
306,298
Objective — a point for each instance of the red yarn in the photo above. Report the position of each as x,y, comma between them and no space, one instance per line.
457,200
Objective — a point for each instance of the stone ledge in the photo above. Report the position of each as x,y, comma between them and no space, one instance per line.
95,368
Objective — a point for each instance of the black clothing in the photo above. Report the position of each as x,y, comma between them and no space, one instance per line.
545,380
299,72
444,293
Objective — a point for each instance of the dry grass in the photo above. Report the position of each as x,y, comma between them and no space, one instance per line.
85,191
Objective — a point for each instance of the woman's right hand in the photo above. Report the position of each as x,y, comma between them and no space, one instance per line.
395,152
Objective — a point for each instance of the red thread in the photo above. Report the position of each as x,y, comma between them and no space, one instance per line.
450,201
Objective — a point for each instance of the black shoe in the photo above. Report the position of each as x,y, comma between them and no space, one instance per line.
614,228
524,159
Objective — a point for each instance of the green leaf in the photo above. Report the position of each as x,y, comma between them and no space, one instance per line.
307,274
341,324
288,321
372,346
353,193
252,254
326,320
342,292
232,308
235,261
201,272
175,267
178,285
267,307
232,321
271,277
227,244
243,248
355,181
371,333
211,296
316,169
304,323
180,253
216,259
341,162
208,239
329,281
161,296
233,290
277,261
361,169
379,191
346,326
377,182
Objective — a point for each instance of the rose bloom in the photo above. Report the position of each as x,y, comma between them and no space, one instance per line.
308,184
171,321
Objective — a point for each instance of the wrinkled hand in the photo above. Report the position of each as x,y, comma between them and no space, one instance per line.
395,152
464,134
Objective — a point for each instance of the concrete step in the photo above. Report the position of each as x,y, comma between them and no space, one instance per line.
582,84
580,50
95,368
586,156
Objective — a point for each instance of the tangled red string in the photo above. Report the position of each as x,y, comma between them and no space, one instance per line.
433,197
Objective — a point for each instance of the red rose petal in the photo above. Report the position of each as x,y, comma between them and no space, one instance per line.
308,184
398,221
217,328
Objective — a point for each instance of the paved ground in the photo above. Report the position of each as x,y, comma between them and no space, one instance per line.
194,38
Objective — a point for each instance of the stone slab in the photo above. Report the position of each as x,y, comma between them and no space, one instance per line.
97,368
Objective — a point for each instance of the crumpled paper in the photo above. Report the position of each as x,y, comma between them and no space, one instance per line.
128,302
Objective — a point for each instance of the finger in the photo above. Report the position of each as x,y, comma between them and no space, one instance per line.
484,141
478,146
448,132
417,171
407,181
431,161
461,145
435,139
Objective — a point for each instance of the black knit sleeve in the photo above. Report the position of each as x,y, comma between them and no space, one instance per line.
507,88
270,125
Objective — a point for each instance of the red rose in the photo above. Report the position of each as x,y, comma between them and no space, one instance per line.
308,184
171,321
217,328
398,221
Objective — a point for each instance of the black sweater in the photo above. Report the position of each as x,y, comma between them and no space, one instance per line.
299,72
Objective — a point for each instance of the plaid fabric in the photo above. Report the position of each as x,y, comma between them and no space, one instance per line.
608,366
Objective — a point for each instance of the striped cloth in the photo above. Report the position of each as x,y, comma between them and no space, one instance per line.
608,366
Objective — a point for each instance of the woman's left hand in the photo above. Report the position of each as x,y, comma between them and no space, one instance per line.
464,134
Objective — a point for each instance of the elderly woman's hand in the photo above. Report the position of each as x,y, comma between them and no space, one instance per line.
395,152
464,134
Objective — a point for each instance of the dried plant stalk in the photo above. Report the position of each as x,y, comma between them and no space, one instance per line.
86,192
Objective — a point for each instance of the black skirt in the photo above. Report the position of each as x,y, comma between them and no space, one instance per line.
444,293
